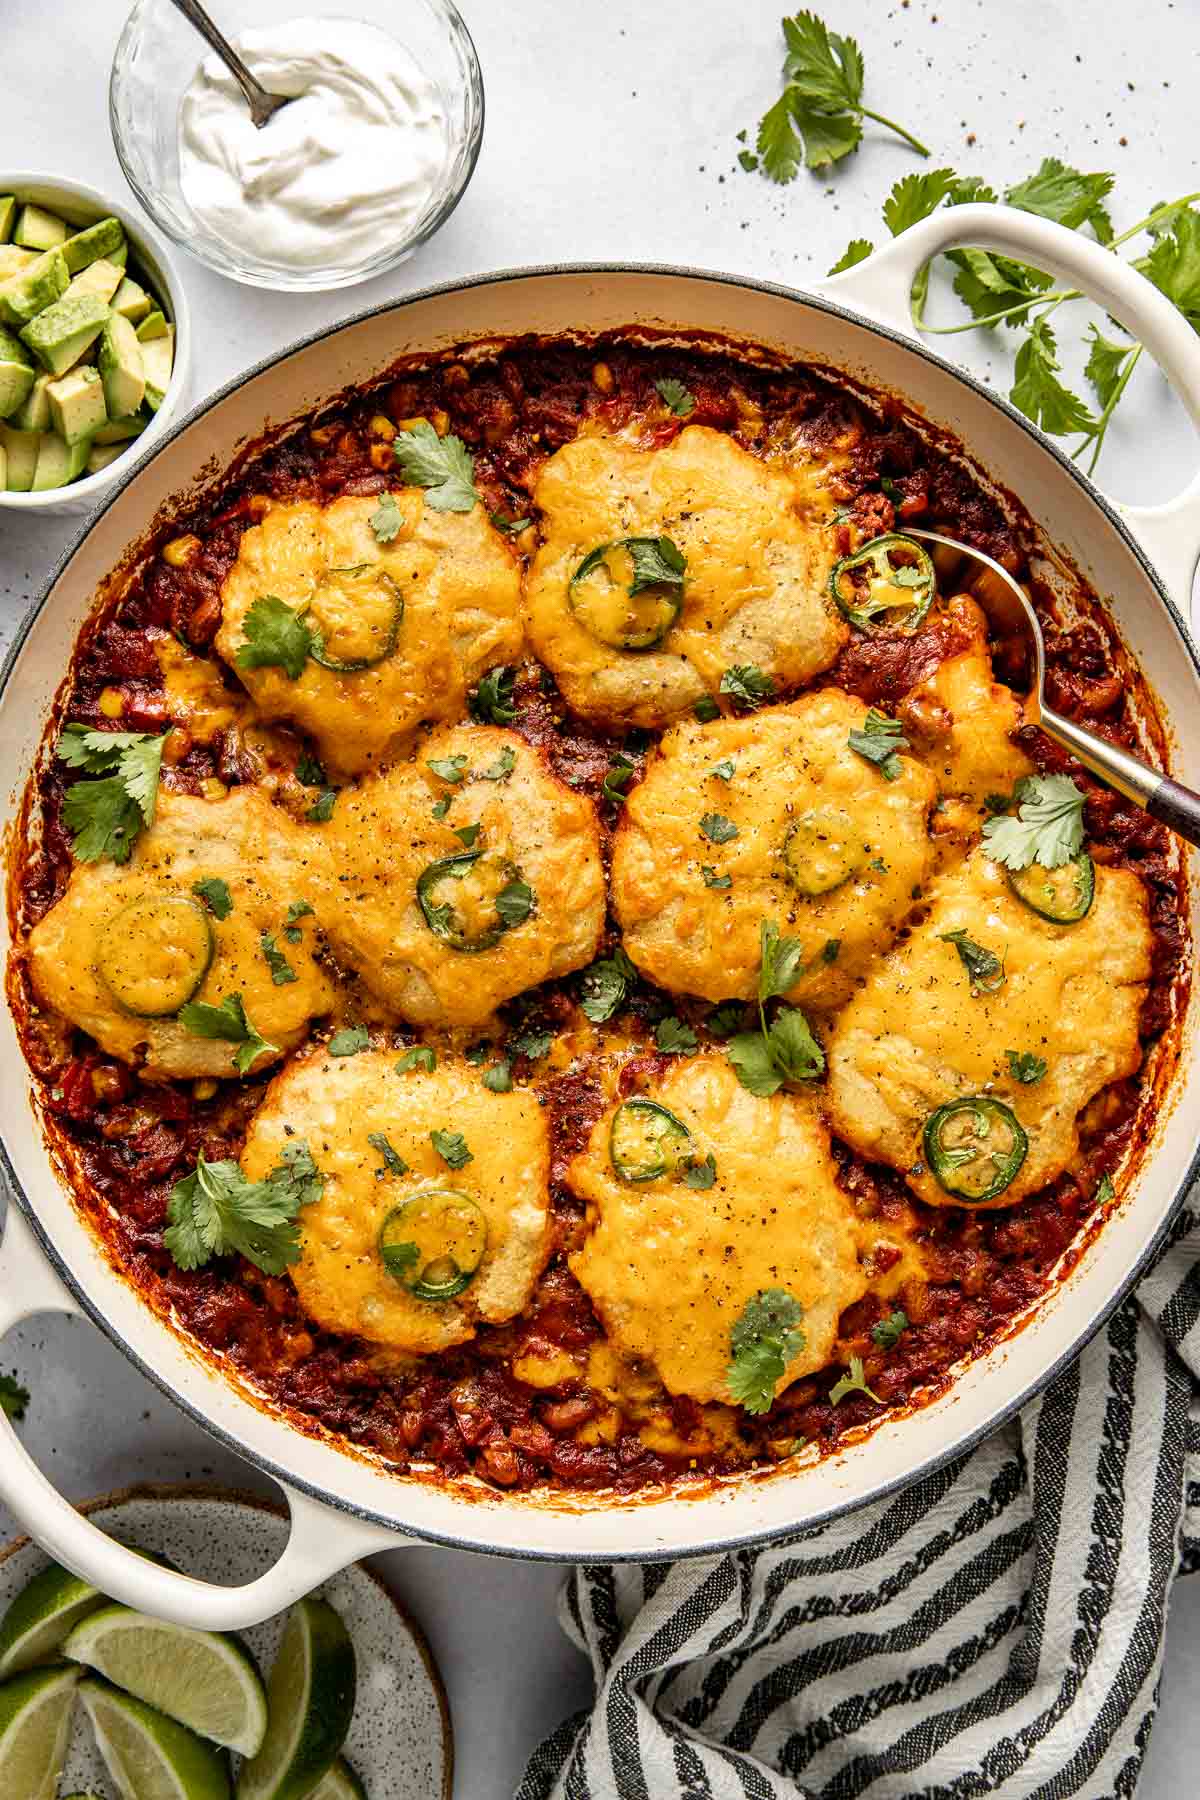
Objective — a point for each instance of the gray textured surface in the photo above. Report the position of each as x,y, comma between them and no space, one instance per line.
610,134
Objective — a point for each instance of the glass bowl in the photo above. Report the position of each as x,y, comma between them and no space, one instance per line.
156,58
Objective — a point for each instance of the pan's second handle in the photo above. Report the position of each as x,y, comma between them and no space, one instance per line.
880,287
321,1542
1177,808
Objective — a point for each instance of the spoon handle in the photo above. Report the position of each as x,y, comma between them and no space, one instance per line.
1173,805
1177,808
257,97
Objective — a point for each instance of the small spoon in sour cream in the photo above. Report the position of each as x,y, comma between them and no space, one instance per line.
263,105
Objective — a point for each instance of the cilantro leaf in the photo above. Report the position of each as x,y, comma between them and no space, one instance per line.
102,818
782,961
724,1020
676,396
827,69
856,251
451,1146
503,766
717,828
498,1077
827,136
724,770
421,1056
1173,264
394,1163
712,879
780,150
281,969
794,1050
448,768
620,773
533,1044
830,950
1025,1067
216,1211
984,968
880,740
276,637
1047,829
915,196
466,835
510,526
514,902
321,810
701,1174
1038,392
349,1041
309,771
215,894
1105,1190
750,1054
442,466
13,1398
1106,364
852,1382
1057,192
657,562
747,684
386,520
492,700
765,1338
674,1038
887,1332
229,1021
605,985
706,709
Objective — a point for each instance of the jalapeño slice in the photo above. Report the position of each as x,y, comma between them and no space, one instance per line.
627,594
822,850
890,581
434,1243
355,618
153,955
975,1147
1064,894
471,900
646,1141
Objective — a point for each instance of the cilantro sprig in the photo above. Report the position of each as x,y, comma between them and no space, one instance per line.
783,1049
880,741
443,466
818,117
105,813
764,1340
216,1211
228,1021
1046,829
854,1381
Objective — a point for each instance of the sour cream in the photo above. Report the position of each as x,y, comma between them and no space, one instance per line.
336,178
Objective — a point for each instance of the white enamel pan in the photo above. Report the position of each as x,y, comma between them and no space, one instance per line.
1140,561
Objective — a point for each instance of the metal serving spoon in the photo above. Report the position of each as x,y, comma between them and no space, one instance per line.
263,106
1175,806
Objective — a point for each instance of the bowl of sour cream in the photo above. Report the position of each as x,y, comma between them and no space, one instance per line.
367,161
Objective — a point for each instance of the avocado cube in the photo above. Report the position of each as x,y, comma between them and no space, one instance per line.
120,362
100,277
59,335
31,289
77,404
20,455
131,301
34,412
16,373
38,229
154,325
100,239
100,455
119,256
119,431
13,259
8,215
58,462
158,359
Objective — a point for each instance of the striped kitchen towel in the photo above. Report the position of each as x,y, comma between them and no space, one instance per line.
996,1628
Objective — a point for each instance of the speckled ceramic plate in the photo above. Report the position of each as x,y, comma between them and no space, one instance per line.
400,1742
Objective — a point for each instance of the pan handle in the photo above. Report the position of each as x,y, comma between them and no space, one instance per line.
880,287
321,1541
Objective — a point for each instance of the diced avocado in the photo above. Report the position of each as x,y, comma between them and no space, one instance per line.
16,373
152,326
121,364
119,431
21,454
8,215
119,256
101,455
77,404
100,239
33,288
100,277
59,335
34,412
158,359
58,462
13,258
38,229
131,301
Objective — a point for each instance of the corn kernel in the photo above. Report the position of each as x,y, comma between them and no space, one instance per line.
176,745
382,456
181,551
111,702
440,420
411,424
602,377
382,427
259,505
457,376
213,789
323,434
526,541
204,1089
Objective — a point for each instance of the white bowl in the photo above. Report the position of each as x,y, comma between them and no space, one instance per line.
82,205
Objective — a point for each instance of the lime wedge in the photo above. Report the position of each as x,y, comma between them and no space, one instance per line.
41,1617
202,1679
311,1703
341,1783
35,1722
149,1756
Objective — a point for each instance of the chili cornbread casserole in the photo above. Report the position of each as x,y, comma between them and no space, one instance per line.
545,943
